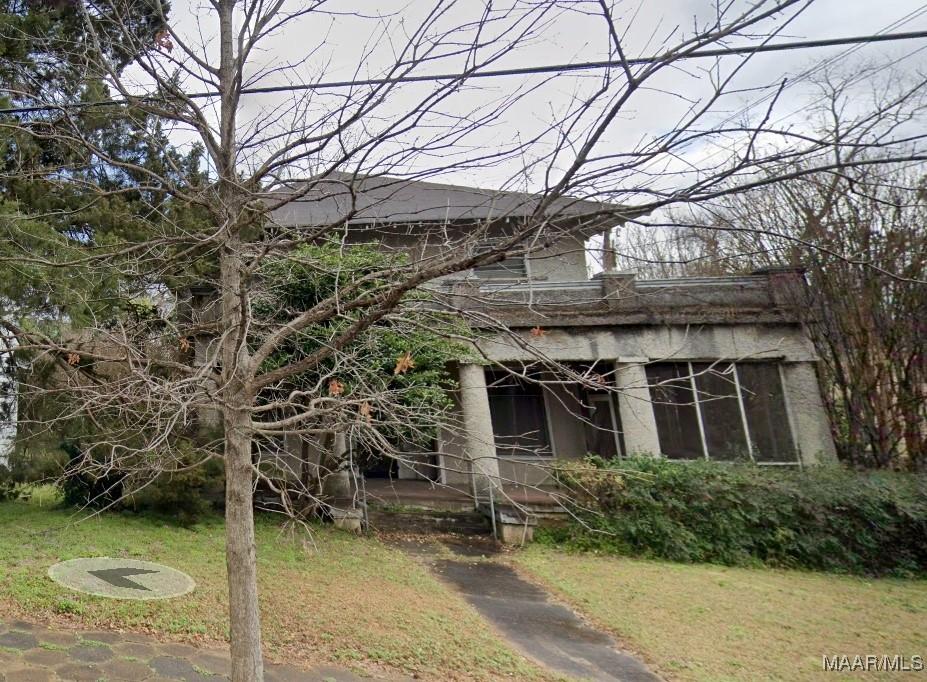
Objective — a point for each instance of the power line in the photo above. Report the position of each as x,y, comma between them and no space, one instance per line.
817,68
518,71
821,66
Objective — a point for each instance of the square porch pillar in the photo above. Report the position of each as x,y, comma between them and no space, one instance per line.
479,440
636,408
809,421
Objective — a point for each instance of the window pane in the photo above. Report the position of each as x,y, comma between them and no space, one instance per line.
721,419
767,419
508,268
601,429
519,418
674,410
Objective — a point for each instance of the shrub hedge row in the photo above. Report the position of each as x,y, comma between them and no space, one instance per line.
821,518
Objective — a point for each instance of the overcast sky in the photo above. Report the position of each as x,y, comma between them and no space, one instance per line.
342,46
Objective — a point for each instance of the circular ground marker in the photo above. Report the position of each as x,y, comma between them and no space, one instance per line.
121,578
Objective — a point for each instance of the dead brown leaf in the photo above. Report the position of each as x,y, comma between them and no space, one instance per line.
404,363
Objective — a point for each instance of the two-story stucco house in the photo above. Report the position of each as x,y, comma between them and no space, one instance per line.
716,368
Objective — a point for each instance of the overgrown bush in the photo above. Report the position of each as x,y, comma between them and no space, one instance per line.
186,495
821,518
37,466
9,488
86,490
24,469
185,490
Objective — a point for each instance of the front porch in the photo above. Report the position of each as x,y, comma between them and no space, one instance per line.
416,506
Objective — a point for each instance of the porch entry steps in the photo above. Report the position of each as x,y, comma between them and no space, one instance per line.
425,521
427,495
423,507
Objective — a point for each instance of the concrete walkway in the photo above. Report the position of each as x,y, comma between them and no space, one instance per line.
29,653
524,614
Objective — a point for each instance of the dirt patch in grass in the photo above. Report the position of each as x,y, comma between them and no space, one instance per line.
699,622
339,599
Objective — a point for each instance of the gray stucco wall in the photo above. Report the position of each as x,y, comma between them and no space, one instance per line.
565,261
567,437
566,432
677,342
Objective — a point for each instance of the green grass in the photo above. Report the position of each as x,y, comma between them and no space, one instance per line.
704,622
326,597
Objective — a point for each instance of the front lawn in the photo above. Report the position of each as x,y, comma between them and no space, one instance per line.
333,598
704,622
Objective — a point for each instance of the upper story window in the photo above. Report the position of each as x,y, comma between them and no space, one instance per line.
508,268
721,411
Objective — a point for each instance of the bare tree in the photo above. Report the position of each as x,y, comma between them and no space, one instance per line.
860,234
298,370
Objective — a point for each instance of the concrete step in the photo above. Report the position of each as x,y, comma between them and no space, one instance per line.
428,521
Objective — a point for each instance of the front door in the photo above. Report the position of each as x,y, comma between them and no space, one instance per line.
601,426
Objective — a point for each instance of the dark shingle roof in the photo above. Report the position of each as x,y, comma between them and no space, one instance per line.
385,200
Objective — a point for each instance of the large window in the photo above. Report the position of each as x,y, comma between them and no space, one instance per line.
519,417
674,408
724,411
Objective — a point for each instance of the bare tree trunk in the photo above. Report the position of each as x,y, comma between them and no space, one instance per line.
241,556
244,617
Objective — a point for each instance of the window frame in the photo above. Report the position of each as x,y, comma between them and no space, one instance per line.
548,449
497,272
696,401
607,397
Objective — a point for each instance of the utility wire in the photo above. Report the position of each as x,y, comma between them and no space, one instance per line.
520,71
821,66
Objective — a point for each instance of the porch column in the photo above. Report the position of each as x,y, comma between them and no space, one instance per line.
635,408
809,420
479,441
340,482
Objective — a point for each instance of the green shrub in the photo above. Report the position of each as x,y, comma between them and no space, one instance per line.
821,518
84,489
9,488
37,466
190,489
185,495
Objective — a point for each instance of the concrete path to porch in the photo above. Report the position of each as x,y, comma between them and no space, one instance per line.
31,653
525,614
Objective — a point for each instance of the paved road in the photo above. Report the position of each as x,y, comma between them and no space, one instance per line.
29,653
